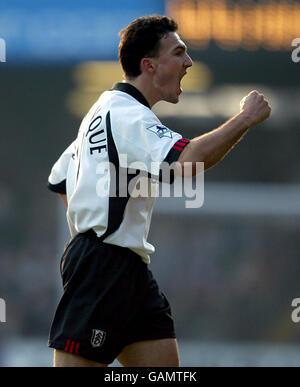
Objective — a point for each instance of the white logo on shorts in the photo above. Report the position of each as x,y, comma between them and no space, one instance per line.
98,338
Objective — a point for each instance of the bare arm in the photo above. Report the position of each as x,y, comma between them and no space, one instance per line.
211,147
64,199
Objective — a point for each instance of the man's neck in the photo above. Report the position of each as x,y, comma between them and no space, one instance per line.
145,87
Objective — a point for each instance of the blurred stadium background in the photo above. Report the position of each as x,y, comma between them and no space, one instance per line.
230,268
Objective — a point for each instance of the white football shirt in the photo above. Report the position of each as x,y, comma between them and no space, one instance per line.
105,171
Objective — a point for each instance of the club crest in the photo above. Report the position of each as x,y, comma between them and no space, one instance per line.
98,338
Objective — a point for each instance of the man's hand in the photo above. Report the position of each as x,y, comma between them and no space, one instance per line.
255,108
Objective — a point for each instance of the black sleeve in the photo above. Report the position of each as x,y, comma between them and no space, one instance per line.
176,150
173,156
58,188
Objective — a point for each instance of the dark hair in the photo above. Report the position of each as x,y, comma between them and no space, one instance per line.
141,39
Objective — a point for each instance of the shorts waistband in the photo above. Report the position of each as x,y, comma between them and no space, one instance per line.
92,235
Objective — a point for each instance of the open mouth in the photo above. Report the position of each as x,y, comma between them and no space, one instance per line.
180,80
182,76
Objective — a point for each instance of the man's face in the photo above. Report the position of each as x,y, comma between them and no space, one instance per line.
171,66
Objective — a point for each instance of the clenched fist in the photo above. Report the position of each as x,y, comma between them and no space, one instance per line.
255,108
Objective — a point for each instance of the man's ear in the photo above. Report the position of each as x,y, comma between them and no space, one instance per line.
148,65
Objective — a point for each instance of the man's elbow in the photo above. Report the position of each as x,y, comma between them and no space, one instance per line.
193,161
64,199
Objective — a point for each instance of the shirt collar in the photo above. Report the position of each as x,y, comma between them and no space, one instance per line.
133,91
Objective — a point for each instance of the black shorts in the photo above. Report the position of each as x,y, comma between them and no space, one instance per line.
110,300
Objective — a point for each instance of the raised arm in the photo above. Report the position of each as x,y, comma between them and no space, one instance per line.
211,147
